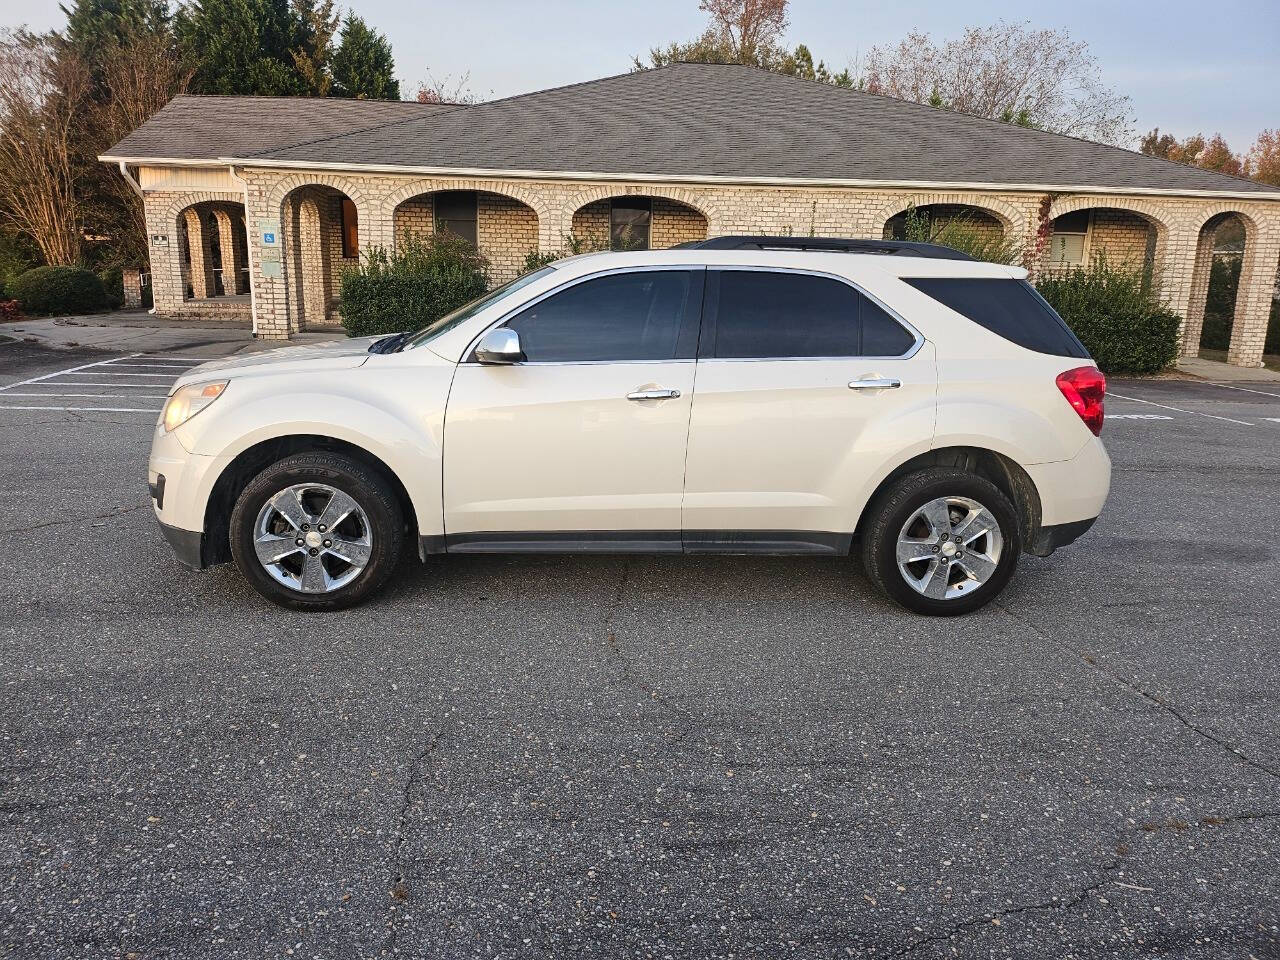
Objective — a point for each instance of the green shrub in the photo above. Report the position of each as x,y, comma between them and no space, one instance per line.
536,260
113,285
419,282
1116,316
571,246
58,290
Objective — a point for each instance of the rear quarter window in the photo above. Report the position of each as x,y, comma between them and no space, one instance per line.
1009,308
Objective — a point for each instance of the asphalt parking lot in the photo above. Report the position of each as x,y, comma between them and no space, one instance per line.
649,757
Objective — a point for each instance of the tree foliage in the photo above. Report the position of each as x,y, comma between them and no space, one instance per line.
42,98
1007,71
748,32
1209,154
316,23
242,46
1263,160
363,67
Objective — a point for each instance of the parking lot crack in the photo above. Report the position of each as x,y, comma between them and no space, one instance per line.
625,672
1065,902
400,891
107,515
1151,698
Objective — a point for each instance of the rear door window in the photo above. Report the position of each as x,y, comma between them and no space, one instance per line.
765,314
1010,308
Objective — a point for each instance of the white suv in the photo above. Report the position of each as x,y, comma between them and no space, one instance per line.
741,395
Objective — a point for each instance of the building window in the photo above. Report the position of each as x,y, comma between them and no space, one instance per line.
350,230
629,221
1066,245
456,212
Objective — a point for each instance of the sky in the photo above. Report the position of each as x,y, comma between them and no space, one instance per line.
1187,65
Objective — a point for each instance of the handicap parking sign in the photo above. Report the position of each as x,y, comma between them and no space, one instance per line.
268,238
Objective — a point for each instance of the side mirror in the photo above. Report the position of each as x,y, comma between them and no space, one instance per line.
501,346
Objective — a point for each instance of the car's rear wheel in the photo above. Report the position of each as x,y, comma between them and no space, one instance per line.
317,531
942,541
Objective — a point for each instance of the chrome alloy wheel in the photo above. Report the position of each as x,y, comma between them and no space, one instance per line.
949,548
312,538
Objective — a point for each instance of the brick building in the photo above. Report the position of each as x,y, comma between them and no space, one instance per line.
255,204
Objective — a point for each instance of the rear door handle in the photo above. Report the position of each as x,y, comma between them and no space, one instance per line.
659,394
875,383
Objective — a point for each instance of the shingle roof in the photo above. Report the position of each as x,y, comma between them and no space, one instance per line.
206,128
701,120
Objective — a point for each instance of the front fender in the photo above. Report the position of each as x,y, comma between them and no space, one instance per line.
400,422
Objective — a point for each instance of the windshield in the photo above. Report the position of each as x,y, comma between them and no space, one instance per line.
464,313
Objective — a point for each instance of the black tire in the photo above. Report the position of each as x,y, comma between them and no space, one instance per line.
367,487
891,510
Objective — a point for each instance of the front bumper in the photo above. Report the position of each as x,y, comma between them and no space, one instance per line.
178,482
187,544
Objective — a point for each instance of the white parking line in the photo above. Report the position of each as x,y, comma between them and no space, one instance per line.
4,406
1232,386
152,366
1165,406
48,386
1137,416
58,373
107,373
122,396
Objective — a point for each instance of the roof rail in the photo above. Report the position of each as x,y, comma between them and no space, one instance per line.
899,248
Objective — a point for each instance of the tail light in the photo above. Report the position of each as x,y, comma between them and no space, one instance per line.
1085,388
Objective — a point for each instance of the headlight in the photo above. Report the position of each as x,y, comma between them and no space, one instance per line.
190,400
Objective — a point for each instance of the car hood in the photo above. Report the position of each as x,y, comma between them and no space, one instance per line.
336,355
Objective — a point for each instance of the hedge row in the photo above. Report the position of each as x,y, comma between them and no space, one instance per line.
420,281
48,290
1117,317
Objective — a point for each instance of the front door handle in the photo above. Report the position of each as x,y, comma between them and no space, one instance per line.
875,383
653,394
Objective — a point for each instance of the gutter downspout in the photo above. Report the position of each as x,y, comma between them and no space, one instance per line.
248,249
137,188
124,172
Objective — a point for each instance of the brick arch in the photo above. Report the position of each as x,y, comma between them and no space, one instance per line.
1151,210
703,204
352,188
1205,214
179,206
417,188
1010,217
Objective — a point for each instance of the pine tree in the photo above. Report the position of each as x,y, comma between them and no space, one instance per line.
315,22
242,46
363,67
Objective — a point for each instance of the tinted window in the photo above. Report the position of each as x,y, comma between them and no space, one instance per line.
882,336
769,314
456,213
1010,308
623,316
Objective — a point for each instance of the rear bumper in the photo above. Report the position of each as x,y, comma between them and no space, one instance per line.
188,545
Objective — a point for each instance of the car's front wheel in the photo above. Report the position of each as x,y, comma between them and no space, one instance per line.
317,531
942,541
